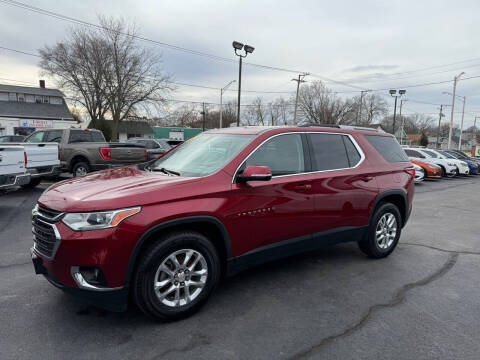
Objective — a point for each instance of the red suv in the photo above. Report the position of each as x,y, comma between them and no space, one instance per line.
225,200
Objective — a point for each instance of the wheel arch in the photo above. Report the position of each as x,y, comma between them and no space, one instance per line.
397,197
209,226
77,158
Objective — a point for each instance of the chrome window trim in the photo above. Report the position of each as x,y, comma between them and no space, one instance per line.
354,142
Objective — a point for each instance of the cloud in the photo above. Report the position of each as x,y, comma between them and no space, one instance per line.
364,68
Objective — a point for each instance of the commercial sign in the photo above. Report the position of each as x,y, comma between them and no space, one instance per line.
35,123
477,151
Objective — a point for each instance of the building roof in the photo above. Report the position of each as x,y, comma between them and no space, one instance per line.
134,127
31,90
26,110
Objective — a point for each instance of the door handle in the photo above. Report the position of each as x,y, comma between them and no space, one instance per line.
366,178
303,187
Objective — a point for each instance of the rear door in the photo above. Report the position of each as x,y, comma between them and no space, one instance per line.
266,212
342,186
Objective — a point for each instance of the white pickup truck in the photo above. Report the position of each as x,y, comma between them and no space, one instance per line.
41,159
12,167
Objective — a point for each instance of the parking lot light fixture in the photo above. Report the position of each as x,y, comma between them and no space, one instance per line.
393,93
455,80
247,49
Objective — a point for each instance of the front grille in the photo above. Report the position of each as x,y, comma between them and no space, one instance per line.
48,214
44,238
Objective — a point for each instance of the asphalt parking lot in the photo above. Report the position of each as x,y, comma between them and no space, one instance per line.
422,302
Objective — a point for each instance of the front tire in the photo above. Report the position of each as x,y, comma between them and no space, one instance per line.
176,275
383,232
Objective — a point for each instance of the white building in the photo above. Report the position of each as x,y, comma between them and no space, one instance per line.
24,109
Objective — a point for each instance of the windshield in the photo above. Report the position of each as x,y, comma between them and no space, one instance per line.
447,155
202,155
430,153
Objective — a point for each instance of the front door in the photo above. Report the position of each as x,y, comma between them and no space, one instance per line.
279,209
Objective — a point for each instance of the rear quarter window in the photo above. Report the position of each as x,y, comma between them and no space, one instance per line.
388,147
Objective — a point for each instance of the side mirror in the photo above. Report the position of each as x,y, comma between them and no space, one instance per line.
255,173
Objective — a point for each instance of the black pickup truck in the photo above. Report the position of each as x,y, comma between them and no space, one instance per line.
83,151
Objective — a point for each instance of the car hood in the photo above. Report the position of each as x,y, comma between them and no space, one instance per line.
110,189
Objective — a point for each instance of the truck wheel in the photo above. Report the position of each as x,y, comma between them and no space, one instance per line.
80,168
383,232
32,184
176,276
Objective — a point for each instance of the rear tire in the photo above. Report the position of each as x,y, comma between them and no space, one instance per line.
32,184
165,291
80,168
383,232
444,172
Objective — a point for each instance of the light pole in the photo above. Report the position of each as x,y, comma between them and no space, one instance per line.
221,100
247,49
439,122
475,129
393,93
455,80
401,119
463,113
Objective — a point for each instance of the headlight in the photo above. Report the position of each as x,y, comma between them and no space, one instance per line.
98,220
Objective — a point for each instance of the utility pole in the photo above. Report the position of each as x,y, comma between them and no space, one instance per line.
461,124
455,79
204,117
475,129
394,94
359,111
438,129
221,101
403,122
299,80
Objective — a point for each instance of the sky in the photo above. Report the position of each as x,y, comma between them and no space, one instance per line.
351,45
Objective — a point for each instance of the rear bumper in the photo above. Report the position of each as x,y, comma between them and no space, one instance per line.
7,181
45,171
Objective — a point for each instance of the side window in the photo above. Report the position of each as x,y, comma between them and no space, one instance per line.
153,144
431,153
328,152
54,136
78,136
414,153
283,154
388,147
36,137
352,152
97,136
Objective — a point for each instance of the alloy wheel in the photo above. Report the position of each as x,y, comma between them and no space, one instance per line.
386,231
180,278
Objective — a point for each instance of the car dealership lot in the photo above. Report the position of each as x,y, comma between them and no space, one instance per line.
421,302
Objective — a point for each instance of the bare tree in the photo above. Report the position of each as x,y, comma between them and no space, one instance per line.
374,107
257,112
319,105
107,71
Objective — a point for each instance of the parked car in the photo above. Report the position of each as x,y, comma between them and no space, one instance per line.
419,173
462,155
12,167
462,166
83,151
448,167
431,171
11,138
474,166
222,201
155,147
41,160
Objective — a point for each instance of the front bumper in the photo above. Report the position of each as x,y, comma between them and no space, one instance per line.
114,300
107,249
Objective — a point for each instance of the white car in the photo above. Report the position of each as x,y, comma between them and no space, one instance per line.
449,169
12,167
462,166
419,173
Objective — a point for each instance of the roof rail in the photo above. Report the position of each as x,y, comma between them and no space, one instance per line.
353,127
319,125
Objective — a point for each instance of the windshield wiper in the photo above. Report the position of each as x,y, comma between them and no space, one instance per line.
166,171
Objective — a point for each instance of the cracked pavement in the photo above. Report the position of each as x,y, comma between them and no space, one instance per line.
419,303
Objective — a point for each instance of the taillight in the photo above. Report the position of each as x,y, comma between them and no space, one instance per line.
146,155
25,157
105,153
410,171
58,152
